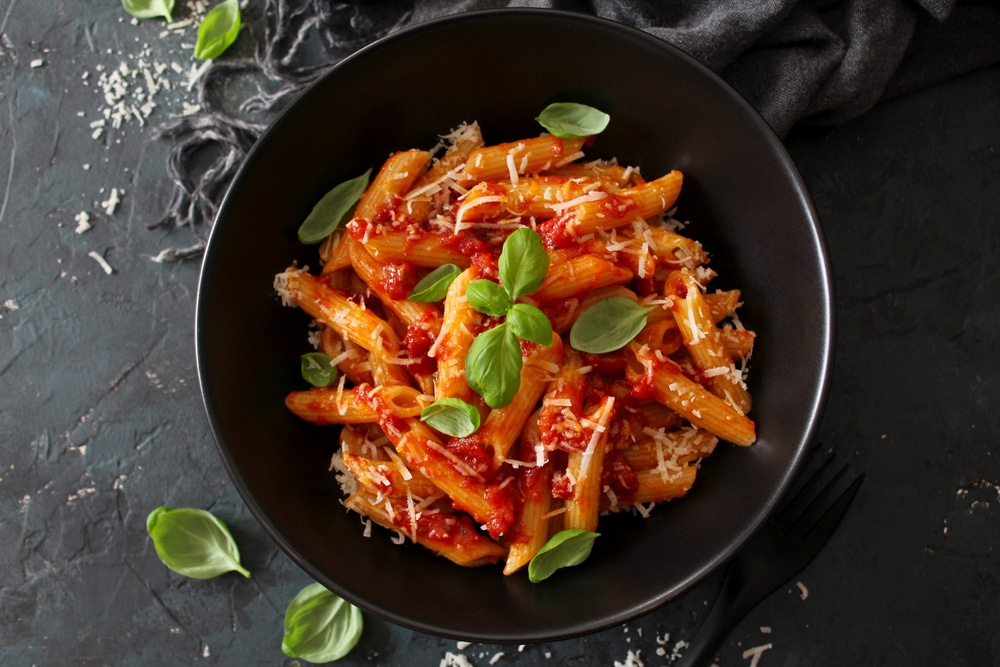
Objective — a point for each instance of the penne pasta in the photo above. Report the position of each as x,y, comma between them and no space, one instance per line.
341,405
573,432
703,341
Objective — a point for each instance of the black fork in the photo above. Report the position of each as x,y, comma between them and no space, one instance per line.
783,546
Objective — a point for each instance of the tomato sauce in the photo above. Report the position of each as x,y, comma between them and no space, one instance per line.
466,243
555,234
398,280
417,341
474,452
617,475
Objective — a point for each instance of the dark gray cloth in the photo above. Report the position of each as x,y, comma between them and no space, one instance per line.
795,61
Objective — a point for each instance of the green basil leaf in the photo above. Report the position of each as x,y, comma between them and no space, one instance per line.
331,210
530,323
452,416
320,626
564,549
608,325
218,30
193,542
493,366
434,286
317,369
147,9
523,263
487,297
569,120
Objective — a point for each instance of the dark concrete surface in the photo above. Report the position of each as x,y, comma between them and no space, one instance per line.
101,420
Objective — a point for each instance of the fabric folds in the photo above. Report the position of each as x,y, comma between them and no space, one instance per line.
795,61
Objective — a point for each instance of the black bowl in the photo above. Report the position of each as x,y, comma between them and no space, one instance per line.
747,205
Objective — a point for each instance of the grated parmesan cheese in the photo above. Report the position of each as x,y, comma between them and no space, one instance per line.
593,195
97,257
82,222
755,653
110,205
511,169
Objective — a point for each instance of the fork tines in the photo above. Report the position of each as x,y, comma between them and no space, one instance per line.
812,499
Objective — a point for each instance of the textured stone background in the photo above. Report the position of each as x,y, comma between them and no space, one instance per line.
101,419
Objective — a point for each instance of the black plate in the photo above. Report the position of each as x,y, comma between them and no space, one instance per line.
747,205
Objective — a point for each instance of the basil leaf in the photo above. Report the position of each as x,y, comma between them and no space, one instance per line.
569,120
147,9
608,325
487,297
320,626
564,549
434,286
523,263
530,323
331,210
193,542
493,366
317,369
218,30
452,416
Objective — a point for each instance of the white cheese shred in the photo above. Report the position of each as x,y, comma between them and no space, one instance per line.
97,257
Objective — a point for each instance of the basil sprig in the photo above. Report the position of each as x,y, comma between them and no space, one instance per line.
147,9
218,30
452,416
493,363
331,210
608,325
320,627
569,120
434,286
564,549
317,369
193,542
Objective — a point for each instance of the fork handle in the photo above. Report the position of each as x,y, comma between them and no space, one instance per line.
730,606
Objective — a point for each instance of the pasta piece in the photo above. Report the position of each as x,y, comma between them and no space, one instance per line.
389,477
421,249
445,533
615,210
383,196
666,451
665,382
674,249
490,503
349,359
584,468
738,342
703,340
578,277
454,341
341,406
528,156
537,197
337,311
611,174
654,489
530,531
